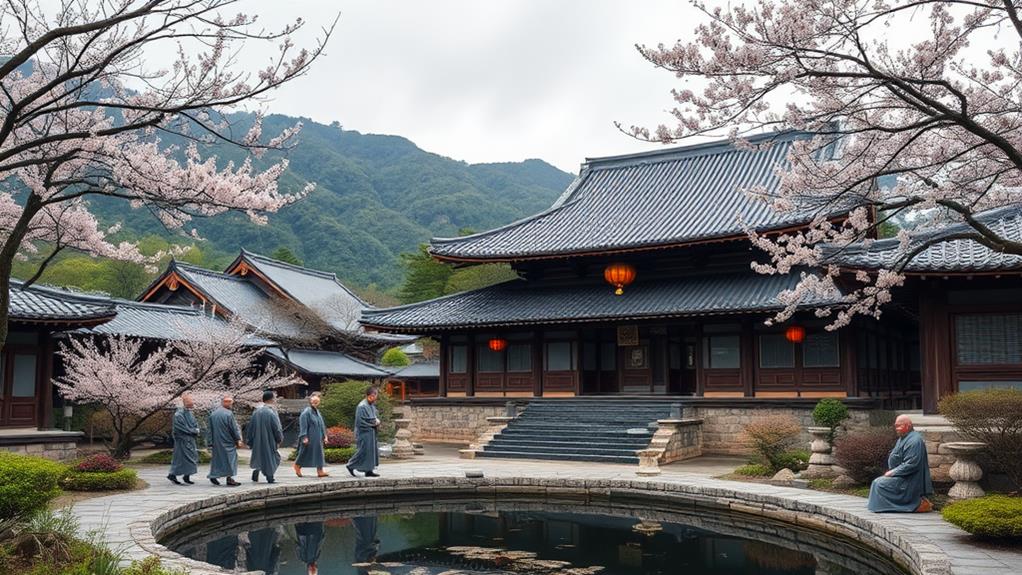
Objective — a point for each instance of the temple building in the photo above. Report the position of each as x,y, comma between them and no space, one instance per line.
637,282
310,314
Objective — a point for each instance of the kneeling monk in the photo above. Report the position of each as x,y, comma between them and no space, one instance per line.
904,487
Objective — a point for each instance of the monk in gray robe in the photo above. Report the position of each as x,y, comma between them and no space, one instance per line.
367,546
907,482
310,543
311,439
367,421
185,460
263,551
263,436
224,441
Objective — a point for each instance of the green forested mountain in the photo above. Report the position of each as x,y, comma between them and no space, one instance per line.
376,197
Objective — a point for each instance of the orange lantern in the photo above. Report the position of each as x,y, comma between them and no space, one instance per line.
497,344
795,334
619,275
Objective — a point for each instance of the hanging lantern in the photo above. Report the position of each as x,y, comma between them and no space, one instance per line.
619,275
497,344
795,334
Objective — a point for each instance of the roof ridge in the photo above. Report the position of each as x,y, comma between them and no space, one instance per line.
163,307
63,292
205,271
692,150
308,271
441,298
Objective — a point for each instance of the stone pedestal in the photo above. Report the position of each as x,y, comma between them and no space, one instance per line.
821,462
403,440
965,471
648,465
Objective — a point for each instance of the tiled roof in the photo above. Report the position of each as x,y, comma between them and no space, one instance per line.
329,363
954,256
43,304
419,371
164,322
519,302
641,201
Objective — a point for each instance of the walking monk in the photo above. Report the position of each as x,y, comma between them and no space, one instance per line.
311,439
185,460
367,421
904,487
263,436
224,441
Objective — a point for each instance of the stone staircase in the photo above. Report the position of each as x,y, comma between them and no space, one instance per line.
604,430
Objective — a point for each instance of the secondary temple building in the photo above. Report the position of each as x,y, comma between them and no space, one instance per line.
685,316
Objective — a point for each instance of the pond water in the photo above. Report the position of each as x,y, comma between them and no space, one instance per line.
452,537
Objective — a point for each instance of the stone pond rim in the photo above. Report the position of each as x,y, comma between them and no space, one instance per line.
913,552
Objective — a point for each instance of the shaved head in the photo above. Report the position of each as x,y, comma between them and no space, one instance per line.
903,424
227,401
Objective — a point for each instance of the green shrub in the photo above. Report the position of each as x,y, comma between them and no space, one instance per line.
150,566
993,516
340,400
794,459
331,454
993,416
164,457
830,412
338,436
27,484
754,470
772,436
99,480
394,357
864,455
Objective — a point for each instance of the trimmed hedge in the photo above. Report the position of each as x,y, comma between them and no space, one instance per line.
27,484
98,462
864,455
99,480
164,457
994,417
830,412
331,454
795,460
993,516
754,470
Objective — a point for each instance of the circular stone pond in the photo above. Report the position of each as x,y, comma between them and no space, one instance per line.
449,533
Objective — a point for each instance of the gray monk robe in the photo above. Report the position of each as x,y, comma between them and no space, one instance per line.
263,553
223,442
909,480
185,460
263,435
367,456
311,425
310,541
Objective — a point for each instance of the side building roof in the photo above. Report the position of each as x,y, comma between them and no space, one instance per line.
39,304
164,322
519,303
944,256
645,201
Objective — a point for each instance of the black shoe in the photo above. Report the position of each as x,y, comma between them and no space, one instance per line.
351,471
371,474
255,476
270,480
173,480
214,481
188,479
231,482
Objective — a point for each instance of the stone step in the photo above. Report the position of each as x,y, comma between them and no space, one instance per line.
567,445
554,450
560,456
590,435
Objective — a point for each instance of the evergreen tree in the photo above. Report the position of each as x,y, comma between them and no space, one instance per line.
425,278
284,254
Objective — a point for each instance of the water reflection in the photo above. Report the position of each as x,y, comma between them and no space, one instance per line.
520,537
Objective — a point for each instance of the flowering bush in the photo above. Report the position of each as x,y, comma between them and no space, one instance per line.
339,436
97,463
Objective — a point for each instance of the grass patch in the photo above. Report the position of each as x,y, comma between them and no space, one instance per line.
99,480
331,454
754,470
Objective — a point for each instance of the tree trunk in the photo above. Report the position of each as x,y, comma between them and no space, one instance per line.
10,248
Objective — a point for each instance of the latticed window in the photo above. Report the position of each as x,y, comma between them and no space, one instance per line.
519,357
821,350
459,359
989,339
775,351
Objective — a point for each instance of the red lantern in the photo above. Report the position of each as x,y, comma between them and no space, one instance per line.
795,334
497,344
619,275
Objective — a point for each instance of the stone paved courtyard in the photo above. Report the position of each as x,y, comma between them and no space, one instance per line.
115,513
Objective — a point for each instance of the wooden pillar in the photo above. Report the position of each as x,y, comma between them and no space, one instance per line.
665,360
537,363
445,351
700,372
935,348
44,381
748,354
576,357
849,371
599,362
470,366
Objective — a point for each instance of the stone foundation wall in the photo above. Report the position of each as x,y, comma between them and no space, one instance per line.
61,451
449,423
722,426
939,459
678,439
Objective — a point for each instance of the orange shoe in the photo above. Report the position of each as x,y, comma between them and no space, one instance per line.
321,473
924,506
298,470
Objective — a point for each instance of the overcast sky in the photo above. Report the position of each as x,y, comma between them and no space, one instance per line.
489,81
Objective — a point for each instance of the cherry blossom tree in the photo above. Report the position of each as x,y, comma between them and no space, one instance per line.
135,381
916,107
85,113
